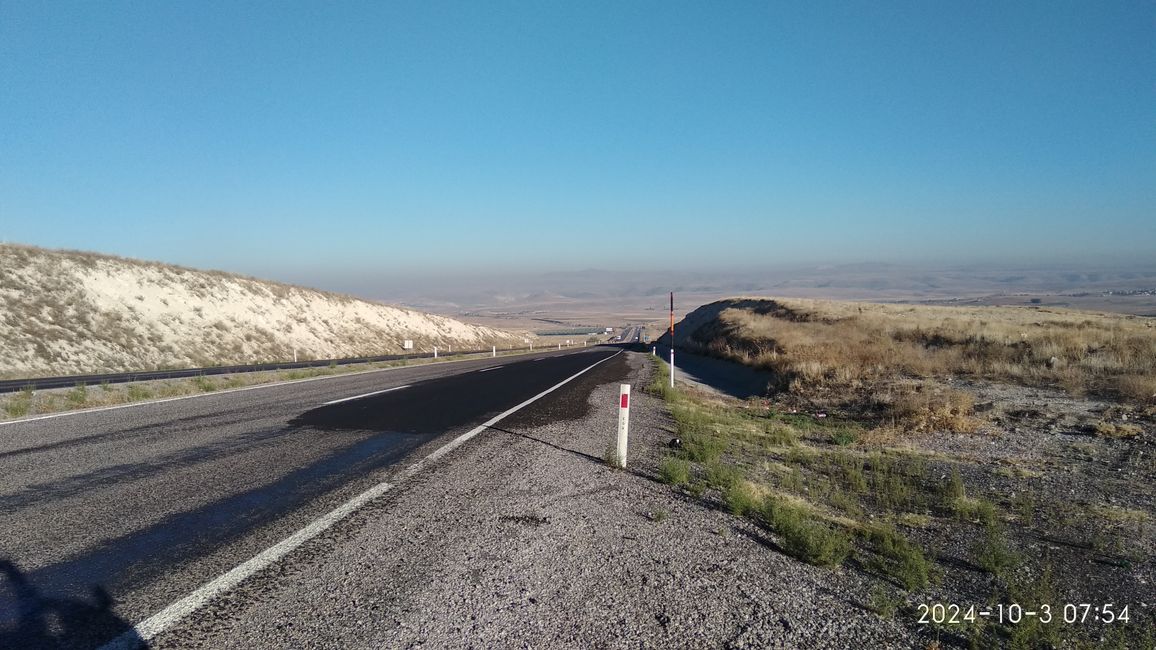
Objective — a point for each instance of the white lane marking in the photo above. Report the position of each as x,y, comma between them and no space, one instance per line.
274,384
376,392
540,359
167,617
491,368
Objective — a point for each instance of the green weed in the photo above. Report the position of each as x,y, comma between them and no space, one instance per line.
674,471
899,558
804,537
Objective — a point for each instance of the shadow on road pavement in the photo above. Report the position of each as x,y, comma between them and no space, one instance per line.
31,620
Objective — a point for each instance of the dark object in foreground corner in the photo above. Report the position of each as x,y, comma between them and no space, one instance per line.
31,620
675,443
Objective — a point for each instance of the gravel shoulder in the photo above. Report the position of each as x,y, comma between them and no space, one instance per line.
525,537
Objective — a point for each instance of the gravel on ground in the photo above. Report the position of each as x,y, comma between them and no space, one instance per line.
525,537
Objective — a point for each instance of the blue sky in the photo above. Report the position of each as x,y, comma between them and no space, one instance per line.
417,137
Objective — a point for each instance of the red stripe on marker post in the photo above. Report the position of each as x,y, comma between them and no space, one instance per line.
625,403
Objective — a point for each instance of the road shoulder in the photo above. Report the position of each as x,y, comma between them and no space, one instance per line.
524,536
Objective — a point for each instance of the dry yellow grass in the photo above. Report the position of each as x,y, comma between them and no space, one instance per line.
816,344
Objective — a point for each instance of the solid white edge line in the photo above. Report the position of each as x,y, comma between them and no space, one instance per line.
162,620
272,384
490,368
376,392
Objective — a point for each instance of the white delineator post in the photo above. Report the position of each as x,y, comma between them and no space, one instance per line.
435,351
494,352
672,366
623,421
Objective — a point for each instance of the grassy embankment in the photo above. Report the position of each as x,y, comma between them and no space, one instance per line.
819,348
839,488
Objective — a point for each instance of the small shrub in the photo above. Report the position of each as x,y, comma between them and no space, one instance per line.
18,406
845,502
992,552
804,538
780,433
899,557
741,499
843,437
660,385
1106,429
702,448
975,510
722,477
1030,593
204,384
78,396
137,392
674,471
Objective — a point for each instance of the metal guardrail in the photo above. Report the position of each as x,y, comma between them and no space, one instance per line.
68,381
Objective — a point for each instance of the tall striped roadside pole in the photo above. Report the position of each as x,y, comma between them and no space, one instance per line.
672,339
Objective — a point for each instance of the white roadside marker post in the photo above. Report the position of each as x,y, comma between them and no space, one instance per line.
623,422
494,352
559,346
435,351
294,355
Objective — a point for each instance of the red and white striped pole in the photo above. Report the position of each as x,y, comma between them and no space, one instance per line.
672,339
623,421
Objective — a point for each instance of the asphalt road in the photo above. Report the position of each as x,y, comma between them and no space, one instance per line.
138,506
67,381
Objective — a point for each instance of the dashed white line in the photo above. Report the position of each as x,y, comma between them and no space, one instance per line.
490,368
142,632
376,392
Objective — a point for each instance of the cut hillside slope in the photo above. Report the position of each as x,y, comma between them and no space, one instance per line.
66,312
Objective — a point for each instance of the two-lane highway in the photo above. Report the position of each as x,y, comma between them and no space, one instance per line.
138,506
